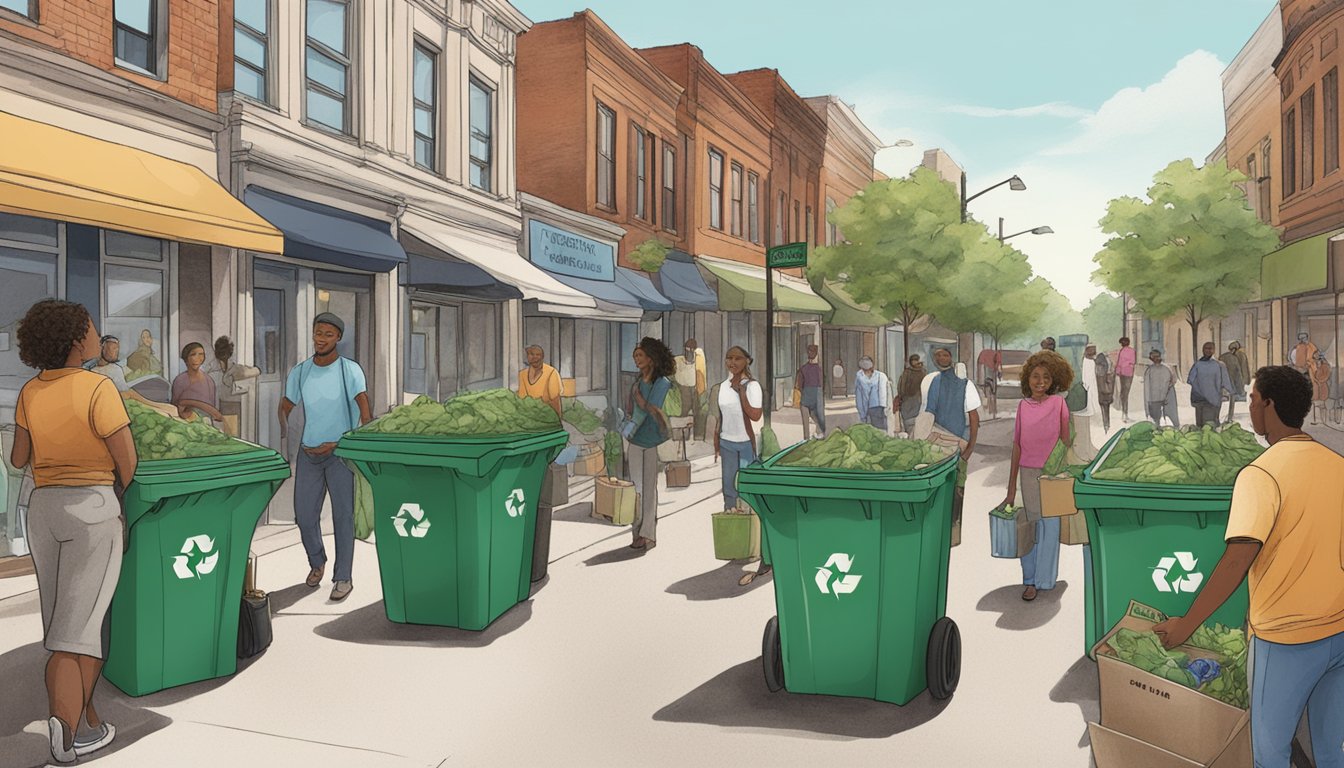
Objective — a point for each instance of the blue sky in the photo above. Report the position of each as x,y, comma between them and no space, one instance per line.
1084,99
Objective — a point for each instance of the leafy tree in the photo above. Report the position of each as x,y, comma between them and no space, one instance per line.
1056,318
1193,249
1102,319
650,255
991,291
904,238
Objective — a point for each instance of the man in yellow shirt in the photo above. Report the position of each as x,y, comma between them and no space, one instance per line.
1286,531
540,380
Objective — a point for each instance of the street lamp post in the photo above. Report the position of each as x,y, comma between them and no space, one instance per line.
1014,183
1032,231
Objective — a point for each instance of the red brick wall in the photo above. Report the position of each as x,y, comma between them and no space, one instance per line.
552,144
82,30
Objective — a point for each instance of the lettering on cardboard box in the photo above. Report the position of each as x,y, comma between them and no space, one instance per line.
1144,687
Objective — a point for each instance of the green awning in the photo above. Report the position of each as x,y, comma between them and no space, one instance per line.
849,312
1296,268
740,292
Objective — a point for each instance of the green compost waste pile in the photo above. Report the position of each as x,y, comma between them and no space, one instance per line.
1230,685
1057,464
864,447
160,437
581,417
474,414
1187,455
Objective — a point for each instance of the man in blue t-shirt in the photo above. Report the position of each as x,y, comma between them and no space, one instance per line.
331,389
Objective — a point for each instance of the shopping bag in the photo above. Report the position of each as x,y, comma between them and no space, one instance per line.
363,507
1011,534
737,535
614,500
1073,529
1057,496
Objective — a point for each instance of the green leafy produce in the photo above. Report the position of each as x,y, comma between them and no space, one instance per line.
612,451
491,412
1054,464
1005,511
672,405
866,448
159,437
769,443
1144,650
1188,455
581,417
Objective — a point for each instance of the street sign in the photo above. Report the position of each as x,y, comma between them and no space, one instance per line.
791,255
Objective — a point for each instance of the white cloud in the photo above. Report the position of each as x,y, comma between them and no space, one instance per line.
1052,109
1115,152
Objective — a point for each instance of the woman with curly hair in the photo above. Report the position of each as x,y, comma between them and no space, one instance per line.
72,426
194,392
646,430
1042,420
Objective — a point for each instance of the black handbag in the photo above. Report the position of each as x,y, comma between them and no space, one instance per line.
254,625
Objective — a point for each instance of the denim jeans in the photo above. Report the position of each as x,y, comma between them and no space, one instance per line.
314,479
732,457
1285,680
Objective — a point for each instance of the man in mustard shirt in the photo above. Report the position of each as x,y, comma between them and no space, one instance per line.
1286,531
540,380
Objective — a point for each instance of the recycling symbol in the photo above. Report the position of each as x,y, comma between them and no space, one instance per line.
198,557
834,578
1188,583
515,505
414,513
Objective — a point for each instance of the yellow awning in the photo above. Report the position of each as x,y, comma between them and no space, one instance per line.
52,173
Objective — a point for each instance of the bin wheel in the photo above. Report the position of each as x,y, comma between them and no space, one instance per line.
943,664
772,656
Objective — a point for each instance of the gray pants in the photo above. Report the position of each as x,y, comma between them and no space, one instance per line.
910,408
74,534
878,418
1206,413
314,480
644,474
813,405
690,406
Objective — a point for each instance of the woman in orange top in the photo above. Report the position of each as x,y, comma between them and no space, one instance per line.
72,426
540,380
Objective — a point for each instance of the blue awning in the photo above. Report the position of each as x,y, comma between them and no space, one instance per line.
680,280
431,269
630,289
317,232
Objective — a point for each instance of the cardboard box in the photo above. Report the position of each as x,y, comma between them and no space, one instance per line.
678,474
590,462
1150,722
615,500
1057,497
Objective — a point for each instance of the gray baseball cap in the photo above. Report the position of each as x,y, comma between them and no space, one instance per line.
332,320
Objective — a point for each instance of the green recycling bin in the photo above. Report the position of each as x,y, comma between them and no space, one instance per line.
454,520
174,616
861,561
1155,543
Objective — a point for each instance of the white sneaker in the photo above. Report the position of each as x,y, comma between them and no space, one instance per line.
96,742
56,731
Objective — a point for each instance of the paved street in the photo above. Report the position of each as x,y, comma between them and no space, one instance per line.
617,659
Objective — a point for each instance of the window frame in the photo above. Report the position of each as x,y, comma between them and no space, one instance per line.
1330,126
345,60
808,229
487,165
781,218
669,187
832,231
736,192
422,48
1307,146
715,190
754,207
639,205
158,43
605,164
1267,190
264,39
30,15
1289,152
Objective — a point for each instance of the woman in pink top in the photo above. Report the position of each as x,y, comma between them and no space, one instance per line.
1042,421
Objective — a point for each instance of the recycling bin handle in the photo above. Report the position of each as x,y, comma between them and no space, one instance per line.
868,509
1203,519
802,502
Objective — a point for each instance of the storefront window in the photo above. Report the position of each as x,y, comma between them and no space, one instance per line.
784,351
480,326
629,339
133,301
539,331
25,277
565,354
591,352
739,331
